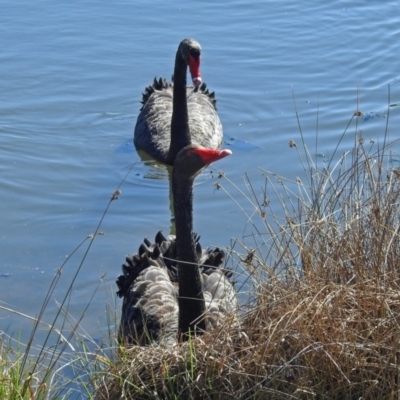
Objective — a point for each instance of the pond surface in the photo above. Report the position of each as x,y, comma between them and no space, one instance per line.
72,74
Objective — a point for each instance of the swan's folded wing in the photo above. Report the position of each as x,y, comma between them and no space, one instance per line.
147,285
218,289
153,126
150,309
205,125
220,298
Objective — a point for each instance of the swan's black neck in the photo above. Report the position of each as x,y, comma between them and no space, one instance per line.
180,133
191,300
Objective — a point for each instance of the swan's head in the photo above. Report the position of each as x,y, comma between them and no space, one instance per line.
191,160
190,51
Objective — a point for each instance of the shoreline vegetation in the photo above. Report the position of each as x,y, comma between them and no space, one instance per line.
323,316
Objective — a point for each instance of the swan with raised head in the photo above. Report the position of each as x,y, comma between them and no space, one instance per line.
173,115
172,288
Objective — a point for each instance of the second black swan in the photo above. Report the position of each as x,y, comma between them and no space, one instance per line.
170,108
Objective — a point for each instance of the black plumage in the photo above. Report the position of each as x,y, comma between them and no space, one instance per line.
173,116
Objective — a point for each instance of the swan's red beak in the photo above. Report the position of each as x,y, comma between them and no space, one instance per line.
194,68
209,155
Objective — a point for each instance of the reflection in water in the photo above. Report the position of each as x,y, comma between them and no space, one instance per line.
242,145
159,171
155,170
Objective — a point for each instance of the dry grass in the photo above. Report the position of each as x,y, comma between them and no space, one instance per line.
324,322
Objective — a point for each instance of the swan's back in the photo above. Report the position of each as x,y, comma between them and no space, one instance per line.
153,126
149,287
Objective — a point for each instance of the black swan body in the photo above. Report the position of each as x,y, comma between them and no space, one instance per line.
172,287
170,109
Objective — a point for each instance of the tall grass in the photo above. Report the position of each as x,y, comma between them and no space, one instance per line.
324,317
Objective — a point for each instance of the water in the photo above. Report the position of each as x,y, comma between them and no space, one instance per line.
71,81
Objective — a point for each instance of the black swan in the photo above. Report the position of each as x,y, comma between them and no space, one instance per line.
170,109
165,300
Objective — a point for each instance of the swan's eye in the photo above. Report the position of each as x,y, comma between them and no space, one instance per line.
195,53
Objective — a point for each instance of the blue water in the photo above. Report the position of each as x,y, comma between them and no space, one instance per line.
72,74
